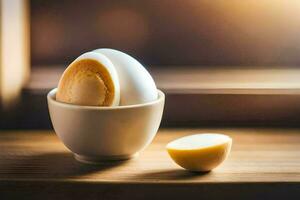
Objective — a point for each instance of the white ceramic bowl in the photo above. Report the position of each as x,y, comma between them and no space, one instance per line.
105,133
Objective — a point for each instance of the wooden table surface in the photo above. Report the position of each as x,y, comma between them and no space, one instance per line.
264,163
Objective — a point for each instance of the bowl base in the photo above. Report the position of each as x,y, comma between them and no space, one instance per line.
101,159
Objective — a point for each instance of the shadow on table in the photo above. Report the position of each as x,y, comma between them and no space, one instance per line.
173,174
48,165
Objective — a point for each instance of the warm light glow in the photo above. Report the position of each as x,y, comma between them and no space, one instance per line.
14,49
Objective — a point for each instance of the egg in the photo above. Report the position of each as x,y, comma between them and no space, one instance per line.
90,80
200,152
136,84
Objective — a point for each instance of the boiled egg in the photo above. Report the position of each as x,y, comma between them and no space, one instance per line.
106,77
90,80
136,84
200,152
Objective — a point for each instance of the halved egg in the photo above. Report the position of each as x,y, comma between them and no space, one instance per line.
90,80
200,152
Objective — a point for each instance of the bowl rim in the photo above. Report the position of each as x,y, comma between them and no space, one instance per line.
52,94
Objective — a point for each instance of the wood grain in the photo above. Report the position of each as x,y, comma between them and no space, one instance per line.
263,163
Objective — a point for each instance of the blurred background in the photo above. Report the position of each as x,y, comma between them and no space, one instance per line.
165,33
200,53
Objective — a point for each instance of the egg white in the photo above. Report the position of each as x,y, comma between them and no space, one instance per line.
136,84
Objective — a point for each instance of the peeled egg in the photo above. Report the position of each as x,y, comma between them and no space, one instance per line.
200,152
90,80
136,84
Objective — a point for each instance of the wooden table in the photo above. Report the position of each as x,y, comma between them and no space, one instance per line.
264,163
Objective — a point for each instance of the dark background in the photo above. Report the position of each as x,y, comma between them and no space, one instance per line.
169,32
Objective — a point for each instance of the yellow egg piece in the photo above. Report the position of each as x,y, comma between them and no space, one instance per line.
91,80
200,152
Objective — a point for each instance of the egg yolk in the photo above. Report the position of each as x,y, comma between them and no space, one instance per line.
86,82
